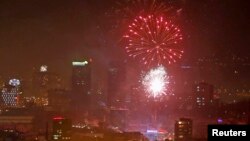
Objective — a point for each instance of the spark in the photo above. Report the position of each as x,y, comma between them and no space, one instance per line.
153,40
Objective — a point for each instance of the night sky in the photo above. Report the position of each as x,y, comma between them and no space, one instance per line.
52,32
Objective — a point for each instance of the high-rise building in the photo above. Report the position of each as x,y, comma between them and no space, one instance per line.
183,129
203,94
81,77
61,129
43,80
116,75
11,95
81,84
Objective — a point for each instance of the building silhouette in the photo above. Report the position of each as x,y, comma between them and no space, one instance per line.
11,96
44,80
81,85
203,94
61,129
183,129
116,75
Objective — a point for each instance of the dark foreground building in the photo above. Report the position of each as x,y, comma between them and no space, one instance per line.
61,129
183,129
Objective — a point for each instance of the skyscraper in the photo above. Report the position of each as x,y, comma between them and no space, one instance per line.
11,95
81,82
183,129
203,94
116,75
43,80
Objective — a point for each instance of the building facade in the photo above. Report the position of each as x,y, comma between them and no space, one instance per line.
11,96
203,94
116,75
81,85
183,129
44,80
61,129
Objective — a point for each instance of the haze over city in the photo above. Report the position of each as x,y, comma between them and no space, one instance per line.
99,64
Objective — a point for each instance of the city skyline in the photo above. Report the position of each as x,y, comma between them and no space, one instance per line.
123,70
58,33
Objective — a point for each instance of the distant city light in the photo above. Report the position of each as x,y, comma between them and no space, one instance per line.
58,118
186,67
152,131
14,82
80,63
43,68
220,120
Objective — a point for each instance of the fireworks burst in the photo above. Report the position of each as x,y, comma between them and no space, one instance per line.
156,82
153,39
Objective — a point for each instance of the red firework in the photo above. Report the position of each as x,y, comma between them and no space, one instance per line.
153,40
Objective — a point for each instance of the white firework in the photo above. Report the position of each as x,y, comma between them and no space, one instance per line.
156,82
